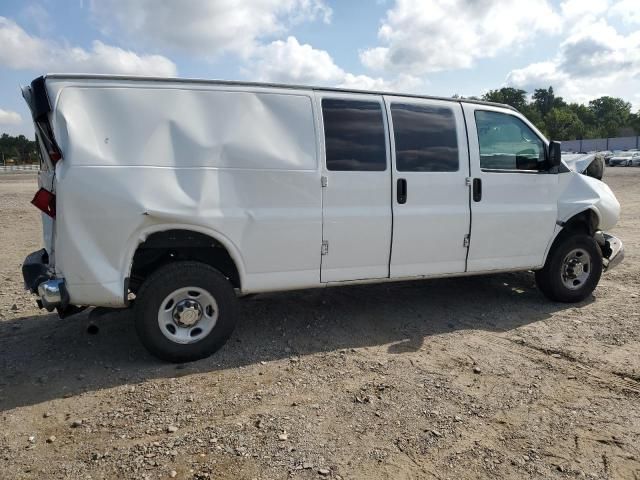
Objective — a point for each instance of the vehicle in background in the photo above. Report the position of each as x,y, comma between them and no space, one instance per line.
174,196
625,159
606,155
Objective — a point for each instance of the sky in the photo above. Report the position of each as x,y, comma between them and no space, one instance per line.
583,48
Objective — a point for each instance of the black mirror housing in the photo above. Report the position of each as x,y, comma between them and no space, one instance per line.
555,154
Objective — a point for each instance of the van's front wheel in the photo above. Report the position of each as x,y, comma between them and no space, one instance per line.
572,270
185,311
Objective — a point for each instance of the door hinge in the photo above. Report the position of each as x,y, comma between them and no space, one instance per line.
466,241
468,181
324,181
324,250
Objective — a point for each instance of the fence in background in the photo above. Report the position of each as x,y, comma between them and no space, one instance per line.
600,144
19,168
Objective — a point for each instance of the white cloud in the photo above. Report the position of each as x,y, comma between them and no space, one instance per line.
599,51
7,117
627,10
592,61
420,36
291,62
22,51
403,83
580,15
537,75
35,14
576,9
206,27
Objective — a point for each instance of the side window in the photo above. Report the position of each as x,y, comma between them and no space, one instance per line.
507,143
354,135
425,138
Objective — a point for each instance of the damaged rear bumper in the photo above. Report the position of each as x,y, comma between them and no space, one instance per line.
612,250
52,292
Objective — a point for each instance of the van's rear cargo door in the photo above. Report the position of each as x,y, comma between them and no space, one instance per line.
46,174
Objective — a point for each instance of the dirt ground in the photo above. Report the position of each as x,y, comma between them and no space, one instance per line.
449,379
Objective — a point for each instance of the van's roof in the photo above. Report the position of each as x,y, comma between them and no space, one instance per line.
73,76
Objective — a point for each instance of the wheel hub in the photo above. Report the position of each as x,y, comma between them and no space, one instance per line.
187,312
575,268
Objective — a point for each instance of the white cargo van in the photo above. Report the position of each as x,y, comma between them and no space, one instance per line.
176,196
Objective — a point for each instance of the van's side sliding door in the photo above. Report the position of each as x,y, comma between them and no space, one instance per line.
431,212
356,211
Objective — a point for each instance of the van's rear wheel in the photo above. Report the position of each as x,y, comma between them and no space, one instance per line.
185,311
572,270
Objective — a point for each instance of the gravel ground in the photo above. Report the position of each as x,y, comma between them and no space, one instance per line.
449,379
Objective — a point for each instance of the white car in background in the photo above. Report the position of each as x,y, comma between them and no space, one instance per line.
625,159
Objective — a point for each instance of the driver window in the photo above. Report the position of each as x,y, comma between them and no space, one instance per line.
507,143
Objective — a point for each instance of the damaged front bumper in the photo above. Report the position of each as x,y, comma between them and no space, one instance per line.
52,292
612,250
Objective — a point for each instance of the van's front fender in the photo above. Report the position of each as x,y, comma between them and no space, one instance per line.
579,193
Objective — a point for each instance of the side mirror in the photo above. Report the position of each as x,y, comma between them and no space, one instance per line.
555,154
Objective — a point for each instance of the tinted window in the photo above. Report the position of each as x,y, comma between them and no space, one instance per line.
425,138
354,135
507,143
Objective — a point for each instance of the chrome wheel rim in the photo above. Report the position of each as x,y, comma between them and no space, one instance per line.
187,315
576,268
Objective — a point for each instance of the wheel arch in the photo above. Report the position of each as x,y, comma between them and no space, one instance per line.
189,242
585,221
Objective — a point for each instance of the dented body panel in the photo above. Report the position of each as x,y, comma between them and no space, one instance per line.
139,160
580,192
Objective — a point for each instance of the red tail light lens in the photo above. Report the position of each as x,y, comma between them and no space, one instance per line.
45,201
55,156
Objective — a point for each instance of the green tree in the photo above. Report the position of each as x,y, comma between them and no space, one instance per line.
511,96
603,117
545,99
531,112
588,119
563,124
19,148
634,122
611,114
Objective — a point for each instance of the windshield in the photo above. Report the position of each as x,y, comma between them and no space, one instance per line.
626,154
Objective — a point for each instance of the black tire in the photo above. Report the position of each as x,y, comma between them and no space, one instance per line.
159,286
550,278
595,169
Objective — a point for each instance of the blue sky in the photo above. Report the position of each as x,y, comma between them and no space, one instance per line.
584,48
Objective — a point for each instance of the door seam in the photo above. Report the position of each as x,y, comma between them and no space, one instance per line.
391,165
466,131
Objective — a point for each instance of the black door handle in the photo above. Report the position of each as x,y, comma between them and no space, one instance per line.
477,189
401,190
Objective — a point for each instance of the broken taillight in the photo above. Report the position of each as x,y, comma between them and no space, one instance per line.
55,156
45,201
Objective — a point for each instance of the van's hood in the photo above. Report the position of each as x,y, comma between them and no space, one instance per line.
588,164
578,162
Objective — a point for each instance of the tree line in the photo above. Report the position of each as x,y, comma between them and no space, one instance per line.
18,150
603,117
